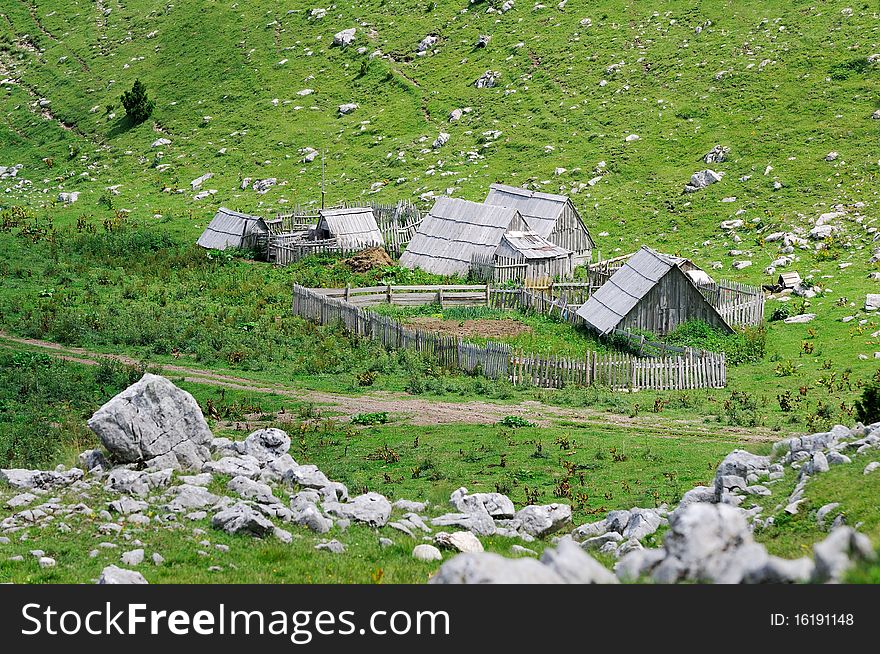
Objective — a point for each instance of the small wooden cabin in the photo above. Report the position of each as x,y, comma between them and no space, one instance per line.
353,228
649,292
456,232
231,229
553,217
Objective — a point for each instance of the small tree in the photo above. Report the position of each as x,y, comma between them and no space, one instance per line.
138,106
868,407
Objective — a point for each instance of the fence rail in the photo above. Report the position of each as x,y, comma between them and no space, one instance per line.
686,369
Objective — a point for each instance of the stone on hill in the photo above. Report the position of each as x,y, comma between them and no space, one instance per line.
835,555
113,575
155,423
800,319
39,479
344,38
136,482
245,465
490,568
426,553
701,180
543,520
370,508
487,80
347,108
497,505
242,519
716,155
265,445
872,301
461,541
575,566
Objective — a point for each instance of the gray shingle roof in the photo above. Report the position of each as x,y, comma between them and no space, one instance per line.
353,227
616,298
453,232
540,210
231,229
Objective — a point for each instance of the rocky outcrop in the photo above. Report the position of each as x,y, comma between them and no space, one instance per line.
154,423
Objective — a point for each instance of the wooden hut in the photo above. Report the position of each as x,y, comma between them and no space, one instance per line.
353,228
789,280
231,229
553,217
455,232
649,292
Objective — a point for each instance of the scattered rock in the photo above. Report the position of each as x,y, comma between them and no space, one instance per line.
540,521
460,541
490,568
242,519
426,553
113,575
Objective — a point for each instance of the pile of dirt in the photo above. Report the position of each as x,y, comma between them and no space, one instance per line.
480,328
367,260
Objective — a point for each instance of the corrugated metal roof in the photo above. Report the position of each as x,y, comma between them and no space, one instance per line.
616,298
540,210
230,229
353,227
453,232
532,246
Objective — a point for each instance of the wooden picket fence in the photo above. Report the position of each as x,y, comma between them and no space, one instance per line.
685,369
504,270
737,303
411,296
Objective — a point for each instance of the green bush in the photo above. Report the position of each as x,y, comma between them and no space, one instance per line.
746,345
138,106
868,406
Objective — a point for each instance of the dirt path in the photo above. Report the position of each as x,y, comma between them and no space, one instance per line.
420,411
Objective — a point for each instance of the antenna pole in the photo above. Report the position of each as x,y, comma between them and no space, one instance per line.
323,192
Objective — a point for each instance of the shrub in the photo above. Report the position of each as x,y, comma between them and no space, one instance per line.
138,106
379,418
868,406
780,313
515,422
747,345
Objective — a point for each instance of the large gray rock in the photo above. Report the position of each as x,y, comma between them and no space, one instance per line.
543,520
344,38
252,490
265,445
308,476
574,565
234,466
190,498
113,575
460,541
835,555
155,423
710,543
490,568
370,508
697,494
642,523
242,519
496,504
39,479
426,552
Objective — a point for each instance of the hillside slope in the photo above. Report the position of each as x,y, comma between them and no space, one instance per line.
781,84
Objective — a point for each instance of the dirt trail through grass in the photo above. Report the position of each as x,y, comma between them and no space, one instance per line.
419,411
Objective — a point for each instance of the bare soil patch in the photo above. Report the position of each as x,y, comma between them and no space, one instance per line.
506,327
